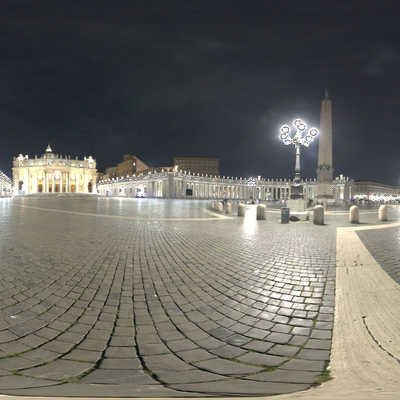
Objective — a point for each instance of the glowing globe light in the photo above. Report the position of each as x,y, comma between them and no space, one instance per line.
285,129
313,132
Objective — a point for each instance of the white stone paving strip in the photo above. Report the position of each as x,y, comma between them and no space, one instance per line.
215,215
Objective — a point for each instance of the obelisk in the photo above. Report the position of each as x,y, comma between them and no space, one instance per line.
325,167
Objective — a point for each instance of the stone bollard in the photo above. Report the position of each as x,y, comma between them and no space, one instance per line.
220,206
228,207
319,215
212,205
383,213
261,211
354,215
241,210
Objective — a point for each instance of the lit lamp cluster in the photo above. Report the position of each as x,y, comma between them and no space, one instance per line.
298,137
297,140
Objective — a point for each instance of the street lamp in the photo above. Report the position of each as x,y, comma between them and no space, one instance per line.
297,140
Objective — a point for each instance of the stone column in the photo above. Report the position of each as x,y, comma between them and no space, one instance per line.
26,185
76,182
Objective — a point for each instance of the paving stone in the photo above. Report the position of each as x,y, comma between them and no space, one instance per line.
148,349
148,338
59,369
99,390
92,345
324,325
265,325
21,329
228,351
308,354
262,359
225,367
301,322
257,333
298,340
241,387
15,363
41,355
281,328
300,331
165,362
191,376
16,382
287,351
83,355
237,340
256,345
120,352
288,376
303,365
181,345
196,335
220,333
321,334
120,363
210,343
123,331
281,338
318,344
13,347
113,376
32,340
71,337
170,335
195,355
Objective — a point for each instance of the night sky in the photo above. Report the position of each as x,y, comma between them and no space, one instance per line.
164,79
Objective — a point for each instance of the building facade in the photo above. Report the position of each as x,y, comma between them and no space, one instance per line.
197,165
376,192
129,166
53,173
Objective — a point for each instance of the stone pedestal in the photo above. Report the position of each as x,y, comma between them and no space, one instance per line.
296,192
298,210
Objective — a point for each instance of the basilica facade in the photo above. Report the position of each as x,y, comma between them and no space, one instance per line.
53,173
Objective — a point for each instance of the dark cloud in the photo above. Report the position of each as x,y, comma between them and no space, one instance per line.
162,79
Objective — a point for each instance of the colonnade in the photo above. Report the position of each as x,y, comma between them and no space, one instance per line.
5,185
180,186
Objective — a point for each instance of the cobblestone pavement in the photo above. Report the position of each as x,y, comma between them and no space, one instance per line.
156,298
385,249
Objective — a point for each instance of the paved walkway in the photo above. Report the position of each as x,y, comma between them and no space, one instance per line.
157,298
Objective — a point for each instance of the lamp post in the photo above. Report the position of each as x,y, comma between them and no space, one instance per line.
297,140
